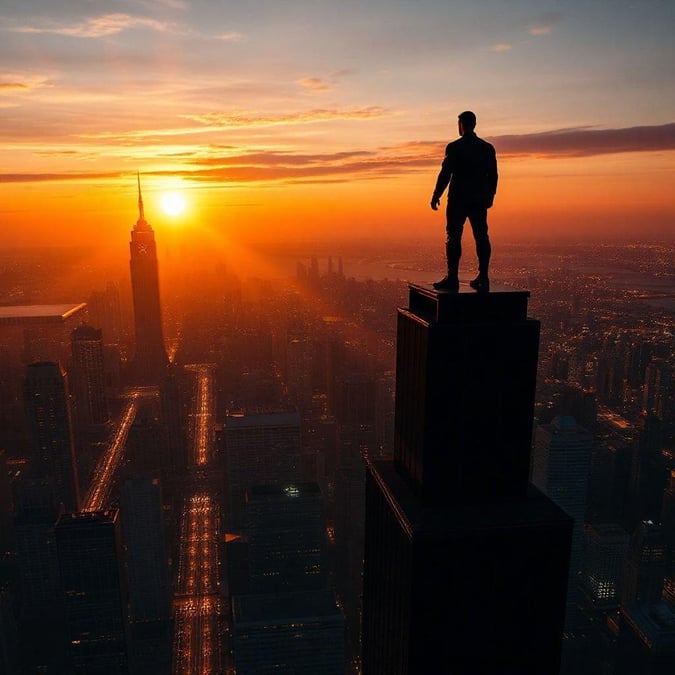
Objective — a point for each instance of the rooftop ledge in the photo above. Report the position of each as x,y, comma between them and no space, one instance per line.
501,303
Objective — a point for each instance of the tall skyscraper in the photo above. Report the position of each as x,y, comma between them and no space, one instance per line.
465,564
286,531
36,510
668,522
150,358
646,565
261,448
148,577
87,375
603,564
561,468
88,549
646,642
300,633
47,406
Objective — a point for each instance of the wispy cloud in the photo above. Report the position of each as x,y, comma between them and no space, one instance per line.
543,24
586,142
95,27
55,177
502,47
13,86
230,120
229,164
231,36
11,83
315,84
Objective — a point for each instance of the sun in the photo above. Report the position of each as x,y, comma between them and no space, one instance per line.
173,203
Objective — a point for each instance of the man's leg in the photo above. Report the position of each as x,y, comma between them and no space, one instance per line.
455,216
479,225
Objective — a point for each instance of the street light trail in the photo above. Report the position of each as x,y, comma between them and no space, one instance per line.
197,600
102,482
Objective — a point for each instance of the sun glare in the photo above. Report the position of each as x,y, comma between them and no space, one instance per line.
173,203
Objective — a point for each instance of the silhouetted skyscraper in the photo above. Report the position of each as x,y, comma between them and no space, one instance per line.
300,633
465,564
286,531
645,565
36,510
561,468
150,359
646,642
668,523
47,406
603,564
87,375
147,576
260,449
88,550
173,417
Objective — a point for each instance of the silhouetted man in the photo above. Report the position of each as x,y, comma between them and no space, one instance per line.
470,167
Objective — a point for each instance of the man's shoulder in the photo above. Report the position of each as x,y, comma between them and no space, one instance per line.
485,144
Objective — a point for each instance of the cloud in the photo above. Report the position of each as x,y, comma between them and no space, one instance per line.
227,164
230,37
543,24
55,177
315,84
502,47
235,120
102,26
13,86
587,142
13,82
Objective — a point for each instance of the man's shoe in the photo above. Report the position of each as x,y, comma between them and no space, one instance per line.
480,284
447,284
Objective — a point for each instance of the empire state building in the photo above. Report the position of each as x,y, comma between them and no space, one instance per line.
150,359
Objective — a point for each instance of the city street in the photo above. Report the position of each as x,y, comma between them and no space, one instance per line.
104,474
197,601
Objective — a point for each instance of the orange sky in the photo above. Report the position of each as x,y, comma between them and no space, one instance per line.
305,122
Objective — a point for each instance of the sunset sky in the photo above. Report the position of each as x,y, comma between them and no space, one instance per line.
286,119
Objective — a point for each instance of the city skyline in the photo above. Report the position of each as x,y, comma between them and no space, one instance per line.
313,121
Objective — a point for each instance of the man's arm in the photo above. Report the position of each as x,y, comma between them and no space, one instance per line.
443,178
492,176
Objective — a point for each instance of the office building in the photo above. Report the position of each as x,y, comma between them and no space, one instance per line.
47,407
285,527
561,463
465,563
606,545
300,633
87,376
150,359
260,448
88,549
149,590
668,524
646,565
646,642
36,510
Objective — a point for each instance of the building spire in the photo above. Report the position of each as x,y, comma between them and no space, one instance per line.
141,223
141,215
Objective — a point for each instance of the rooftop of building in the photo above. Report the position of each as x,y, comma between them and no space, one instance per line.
290,490
261,419
282,607
13,314
655,621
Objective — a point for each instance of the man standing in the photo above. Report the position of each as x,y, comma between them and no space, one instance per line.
470,167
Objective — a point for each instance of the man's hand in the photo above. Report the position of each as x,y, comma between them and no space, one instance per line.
435,201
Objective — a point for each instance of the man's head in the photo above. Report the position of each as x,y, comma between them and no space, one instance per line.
466,121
